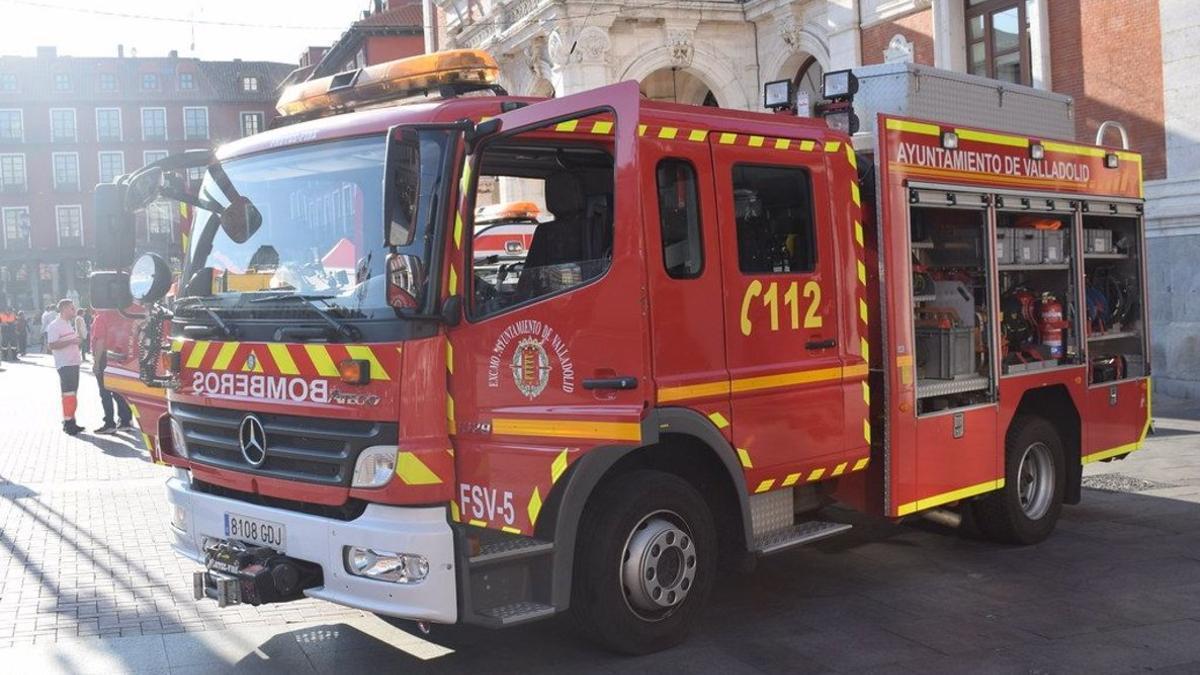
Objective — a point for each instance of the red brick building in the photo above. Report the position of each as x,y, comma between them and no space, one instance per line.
393,29
1107,55
68,123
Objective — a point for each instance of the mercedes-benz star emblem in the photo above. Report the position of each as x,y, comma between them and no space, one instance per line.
253,439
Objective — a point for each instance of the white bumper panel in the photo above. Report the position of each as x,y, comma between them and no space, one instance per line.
423,531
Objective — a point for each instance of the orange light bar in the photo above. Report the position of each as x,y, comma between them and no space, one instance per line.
507,211
390,80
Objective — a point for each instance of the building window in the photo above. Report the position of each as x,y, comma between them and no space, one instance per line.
252,123
679,219
773,207
112,164
249,83
187,81
108,124
998,40
151,156
159,220
12,127
12,173
149,81
62,125
16,227
195,123
70,225
154,124
62,82
8,81
106,82
66,171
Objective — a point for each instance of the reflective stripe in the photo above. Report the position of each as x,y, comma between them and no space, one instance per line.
225,355
718,419
790,480
858,234
816,473
855,195
744,456
558,466
697,135
667,394
602,127
832,146
861,464
667,133
365,353
765,485
449,357
319,355
989,137
839,469
199,349
914,127
569,125
621,431
727,138
535,506
862,273
782,144
283,359
755,141
947,497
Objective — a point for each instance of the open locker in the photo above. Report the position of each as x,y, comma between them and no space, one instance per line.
1115,321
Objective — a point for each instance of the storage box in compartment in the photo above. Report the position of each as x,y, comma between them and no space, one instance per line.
1097,240
1054,246
1006,246
955,252
1029,246
945,353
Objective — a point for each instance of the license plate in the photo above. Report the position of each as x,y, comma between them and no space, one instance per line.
255,531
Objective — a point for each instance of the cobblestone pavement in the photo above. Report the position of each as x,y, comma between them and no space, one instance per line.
88,584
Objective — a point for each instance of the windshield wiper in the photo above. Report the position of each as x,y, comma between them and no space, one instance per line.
226,329
346,331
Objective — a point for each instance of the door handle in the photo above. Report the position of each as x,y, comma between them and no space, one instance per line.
619,382
821,344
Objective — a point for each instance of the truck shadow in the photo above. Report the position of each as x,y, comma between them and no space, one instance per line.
1113,589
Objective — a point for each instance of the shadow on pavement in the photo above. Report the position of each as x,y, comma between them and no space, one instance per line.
115,445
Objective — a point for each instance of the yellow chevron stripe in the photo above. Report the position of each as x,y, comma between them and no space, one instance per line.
510,530
865,348
989,137
839,469
855,195
602,127
667,133
862,273
807,146
535,506
199,349
365,353
558,466
569,125
755,141
859,237
816,474
449,357
832,146
718,419
782,144
913,127
283,359
765,485
727,138
698,135
862,310
413,471
867,431
458,228
866,392
319,355
453,280
228,349
790,480
744,456
861,464
851,157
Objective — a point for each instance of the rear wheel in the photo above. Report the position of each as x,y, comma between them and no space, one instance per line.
645,562
1026,510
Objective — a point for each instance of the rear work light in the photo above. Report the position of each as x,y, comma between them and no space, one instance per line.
392,80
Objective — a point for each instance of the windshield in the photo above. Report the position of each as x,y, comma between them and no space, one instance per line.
321,230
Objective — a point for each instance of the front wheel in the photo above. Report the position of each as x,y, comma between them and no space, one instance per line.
1026,510
645,562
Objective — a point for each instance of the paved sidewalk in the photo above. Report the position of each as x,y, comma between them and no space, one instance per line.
87,584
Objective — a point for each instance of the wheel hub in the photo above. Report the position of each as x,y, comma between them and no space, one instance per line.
659,566
1035,481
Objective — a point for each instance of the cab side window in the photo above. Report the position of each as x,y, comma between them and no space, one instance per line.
571,183
679,218
774,213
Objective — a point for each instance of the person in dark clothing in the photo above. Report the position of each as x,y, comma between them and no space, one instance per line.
22,333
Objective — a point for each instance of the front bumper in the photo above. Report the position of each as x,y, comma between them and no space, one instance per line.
420,530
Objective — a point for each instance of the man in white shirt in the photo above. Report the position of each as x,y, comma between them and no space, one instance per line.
63,342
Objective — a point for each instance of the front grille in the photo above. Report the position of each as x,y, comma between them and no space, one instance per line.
353,508
310,449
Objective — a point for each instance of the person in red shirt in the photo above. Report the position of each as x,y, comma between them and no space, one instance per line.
103,337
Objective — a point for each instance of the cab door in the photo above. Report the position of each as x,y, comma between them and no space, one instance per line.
784,341
550,359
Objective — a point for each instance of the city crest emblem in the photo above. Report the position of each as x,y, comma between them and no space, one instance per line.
531,367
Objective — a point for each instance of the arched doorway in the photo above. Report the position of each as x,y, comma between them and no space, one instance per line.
678,85
808,80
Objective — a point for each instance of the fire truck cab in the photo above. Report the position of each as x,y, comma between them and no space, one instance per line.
728,321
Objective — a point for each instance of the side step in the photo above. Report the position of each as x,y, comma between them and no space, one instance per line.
795,535
517,612
508,549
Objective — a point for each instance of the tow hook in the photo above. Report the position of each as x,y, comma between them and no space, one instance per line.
423,626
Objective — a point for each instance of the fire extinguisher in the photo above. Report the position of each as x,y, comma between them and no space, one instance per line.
1051,326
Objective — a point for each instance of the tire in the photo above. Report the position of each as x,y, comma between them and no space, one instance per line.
1026,510
643,523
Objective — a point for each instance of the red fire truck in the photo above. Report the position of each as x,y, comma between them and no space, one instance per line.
732,320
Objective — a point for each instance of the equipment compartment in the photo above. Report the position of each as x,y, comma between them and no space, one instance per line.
1114,319
953,325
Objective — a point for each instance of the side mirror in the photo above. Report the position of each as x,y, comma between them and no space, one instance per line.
115,236
143,188
403,189
150,279
110,290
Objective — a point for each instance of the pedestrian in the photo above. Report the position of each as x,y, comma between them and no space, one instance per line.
87,337
102,338
81,331
8,334
22,333
63,341
47,316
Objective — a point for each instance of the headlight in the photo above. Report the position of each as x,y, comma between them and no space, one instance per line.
375,466
178,439
398,568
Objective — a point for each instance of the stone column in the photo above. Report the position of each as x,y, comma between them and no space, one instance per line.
845,39
579,58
